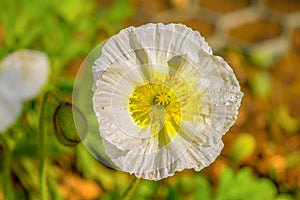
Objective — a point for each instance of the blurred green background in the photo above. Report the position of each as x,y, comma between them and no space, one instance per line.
261,158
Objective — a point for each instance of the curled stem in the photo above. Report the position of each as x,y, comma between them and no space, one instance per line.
50,101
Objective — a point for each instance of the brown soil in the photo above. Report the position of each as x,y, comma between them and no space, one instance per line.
286,6
205,28
152,6
224,6
256,31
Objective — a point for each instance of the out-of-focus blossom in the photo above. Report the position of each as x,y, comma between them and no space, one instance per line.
163,100
34,68
22,74
10,103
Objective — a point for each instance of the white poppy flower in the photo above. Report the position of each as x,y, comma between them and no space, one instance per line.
22,74
34,68
163,100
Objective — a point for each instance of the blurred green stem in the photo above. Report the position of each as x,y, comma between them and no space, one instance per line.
6,168
41,147
127,195
7,19
49,103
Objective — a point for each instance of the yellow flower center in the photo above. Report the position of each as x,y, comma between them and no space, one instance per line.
155,104
161,104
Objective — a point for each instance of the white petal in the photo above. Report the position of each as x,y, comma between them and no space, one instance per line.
9,111
34,67
10,99
187,150
173,39
161,165
10,84
224,91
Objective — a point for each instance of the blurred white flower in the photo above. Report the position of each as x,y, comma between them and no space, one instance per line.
10,103
9,111
22,74
34,68
163,100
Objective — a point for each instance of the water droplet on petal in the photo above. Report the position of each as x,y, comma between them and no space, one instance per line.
227,103
207,121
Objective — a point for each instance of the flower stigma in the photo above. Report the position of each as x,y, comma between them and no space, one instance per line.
162,99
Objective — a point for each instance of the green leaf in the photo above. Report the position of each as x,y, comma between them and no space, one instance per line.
284,197
71,10
173,194
203,188
242,148
66,131
225,183
260,84
293,159
119,10
262,58
186,184
285,120
147,189
265,189
244,186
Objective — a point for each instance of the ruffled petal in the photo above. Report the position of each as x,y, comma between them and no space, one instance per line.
161,165
173,39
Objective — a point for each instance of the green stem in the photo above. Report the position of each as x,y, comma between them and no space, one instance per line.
127,195
7,19
42,150
49,103
6,166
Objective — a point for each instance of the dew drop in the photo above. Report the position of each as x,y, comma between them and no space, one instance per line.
207,121
238,96
227,103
